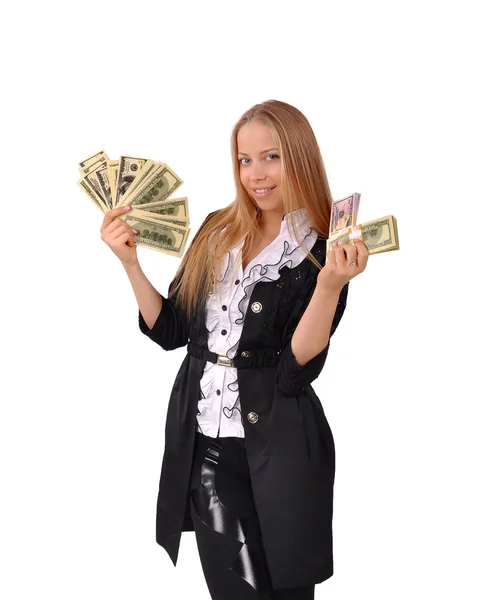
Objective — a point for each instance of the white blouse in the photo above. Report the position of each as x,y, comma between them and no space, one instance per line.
219,409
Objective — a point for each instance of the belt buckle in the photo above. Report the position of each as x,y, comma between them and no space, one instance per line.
224,360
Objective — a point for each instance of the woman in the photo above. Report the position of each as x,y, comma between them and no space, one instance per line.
249,457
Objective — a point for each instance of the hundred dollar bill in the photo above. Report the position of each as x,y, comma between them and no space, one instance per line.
103,180
167,238
146,181
90,168
379,235
156,187
88,162
141,214
128,170
84,185
113,171
168,209
150,168
344,213
92,181
135,213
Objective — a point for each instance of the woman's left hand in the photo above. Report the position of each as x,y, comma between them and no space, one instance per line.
337,272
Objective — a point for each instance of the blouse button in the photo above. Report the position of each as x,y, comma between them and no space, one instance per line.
237,281
218,392
252,417
256,307
223,332
224,307
246,353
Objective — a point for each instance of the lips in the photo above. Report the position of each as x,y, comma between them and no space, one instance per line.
268,188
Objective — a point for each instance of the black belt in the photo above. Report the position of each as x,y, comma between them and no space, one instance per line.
259,357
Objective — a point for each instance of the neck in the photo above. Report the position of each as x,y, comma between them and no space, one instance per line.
269,226
271,222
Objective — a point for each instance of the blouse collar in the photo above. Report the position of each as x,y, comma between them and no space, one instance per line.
277,252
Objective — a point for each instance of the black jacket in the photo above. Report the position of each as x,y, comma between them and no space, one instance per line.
290,446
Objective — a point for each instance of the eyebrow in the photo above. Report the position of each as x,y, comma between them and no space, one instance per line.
262,152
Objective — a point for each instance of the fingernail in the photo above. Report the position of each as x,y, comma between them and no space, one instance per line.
126,208
135,231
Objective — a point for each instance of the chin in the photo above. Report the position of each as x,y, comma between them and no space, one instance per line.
271,208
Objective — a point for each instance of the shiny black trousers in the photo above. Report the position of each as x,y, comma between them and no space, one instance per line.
226,524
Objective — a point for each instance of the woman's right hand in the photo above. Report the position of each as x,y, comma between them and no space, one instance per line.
119,236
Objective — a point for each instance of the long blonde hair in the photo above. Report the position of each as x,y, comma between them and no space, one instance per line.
303,177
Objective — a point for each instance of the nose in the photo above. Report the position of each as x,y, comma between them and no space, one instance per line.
257,174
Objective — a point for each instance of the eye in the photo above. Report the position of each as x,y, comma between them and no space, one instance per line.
268,155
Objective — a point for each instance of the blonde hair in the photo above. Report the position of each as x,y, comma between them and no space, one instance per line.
303,179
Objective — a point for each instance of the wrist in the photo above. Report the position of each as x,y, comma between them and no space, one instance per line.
131,267
327,291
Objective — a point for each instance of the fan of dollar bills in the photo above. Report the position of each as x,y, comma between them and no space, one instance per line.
146,185
379,235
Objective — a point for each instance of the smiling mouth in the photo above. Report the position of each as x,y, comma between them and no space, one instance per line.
263,191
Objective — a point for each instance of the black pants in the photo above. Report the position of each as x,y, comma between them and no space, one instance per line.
226,524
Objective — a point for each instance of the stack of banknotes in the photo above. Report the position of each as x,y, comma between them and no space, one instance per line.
162,223
379,235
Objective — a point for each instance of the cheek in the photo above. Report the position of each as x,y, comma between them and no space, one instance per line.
275,172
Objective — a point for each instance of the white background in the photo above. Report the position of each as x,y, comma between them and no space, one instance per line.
396,94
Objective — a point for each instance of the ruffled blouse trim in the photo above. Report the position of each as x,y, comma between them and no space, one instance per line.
284,250
270,270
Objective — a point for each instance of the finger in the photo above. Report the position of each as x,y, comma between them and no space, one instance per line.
110,215
350,251
115,226
118,234
126,238
112,226
116,223
362,253
339,253
133,235
131,232
331,262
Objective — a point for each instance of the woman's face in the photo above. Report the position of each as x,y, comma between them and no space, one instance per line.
260,166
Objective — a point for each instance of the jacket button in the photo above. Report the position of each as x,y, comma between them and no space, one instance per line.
256,307
246,353
252,417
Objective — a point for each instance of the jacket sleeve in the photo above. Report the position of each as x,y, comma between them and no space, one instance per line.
292,378
171,329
